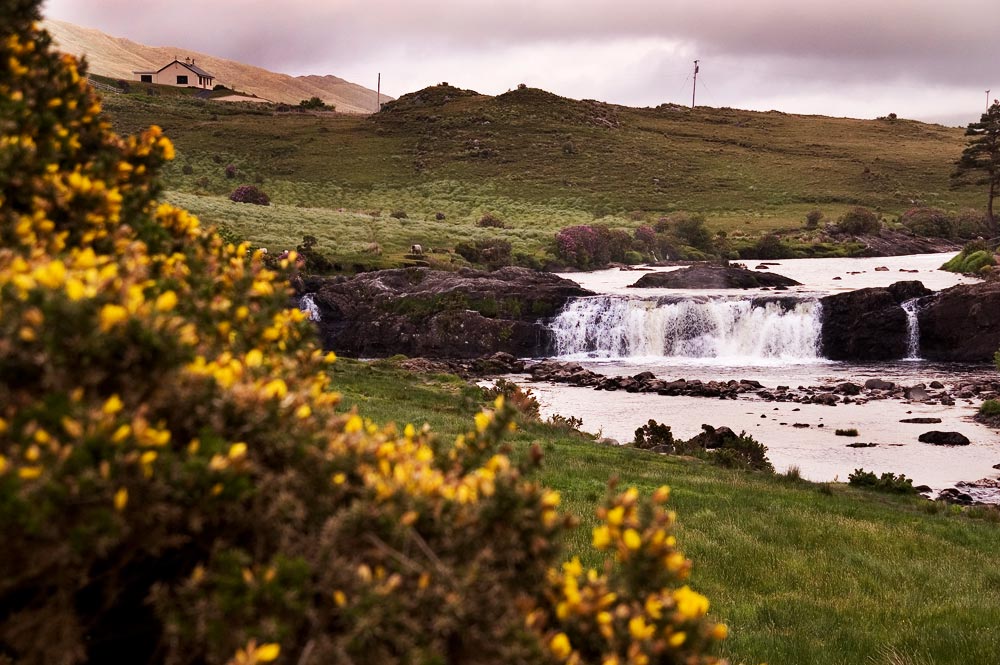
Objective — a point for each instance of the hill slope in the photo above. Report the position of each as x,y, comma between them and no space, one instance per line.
117,57
540,162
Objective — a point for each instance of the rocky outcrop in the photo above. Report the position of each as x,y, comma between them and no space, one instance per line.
709,276
423,312
868,324
961,323
890,242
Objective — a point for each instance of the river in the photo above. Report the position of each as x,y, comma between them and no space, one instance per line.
771,337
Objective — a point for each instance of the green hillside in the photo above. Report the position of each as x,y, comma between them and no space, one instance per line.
539,162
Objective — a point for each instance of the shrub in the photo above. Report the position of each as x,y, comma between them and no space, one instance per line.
771,247
653,434
313,261
439,216
971,260
691,231
490,221
398,214
968,224
858,221
231,171
645,237
569,148
187,169
887,482
523,400
219,86
587,246
493,252
990,408
249,194
315,104
931,222
177,484
813,218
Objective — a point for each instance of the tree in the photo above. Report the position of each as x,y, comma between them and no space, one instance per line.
982,155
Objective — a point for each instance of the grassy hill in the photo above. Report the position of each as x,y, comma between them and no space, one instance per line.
802,572
540,162
117,58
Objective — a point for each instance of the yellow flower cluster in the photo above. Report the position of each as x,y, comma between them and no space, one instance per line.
594,616
157,395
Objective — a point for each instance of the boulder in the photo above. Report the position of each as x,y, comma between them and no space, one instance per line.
867,324
711,276
439,314
879,384
944,438
961,323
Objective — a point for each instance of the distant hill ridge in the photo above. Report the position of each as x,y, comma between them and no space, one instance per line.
118,57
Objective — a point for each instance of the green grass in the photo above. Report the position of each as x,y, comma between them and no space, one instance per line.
802,573
749,173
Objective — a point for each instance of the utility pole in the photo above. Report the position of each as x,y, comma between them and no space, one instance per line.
694,86
987,101
378,94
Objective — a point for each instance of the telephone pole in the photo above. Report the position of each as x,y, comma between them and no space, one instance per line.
378,94
987,101
694,86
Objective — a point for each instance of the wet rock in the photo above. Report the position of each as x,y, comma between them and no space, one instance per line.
711,276
915,393
867,324
439,314
881,269
937,385
858,444
879,384
952,495
944,438
848,388
800,425
921,421
961,323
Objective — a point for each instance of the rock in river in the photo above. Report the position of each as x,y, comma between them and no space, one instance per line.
944,438
711,276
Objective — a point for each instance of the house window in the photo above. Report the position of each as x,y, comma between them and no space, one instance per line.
182,80
146,78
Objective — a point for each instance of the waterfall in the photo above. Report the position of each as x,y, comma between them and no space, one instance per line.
737,329
912,307
307,303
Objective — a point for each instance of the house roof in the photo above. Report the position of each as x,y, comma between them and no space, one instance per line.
194,68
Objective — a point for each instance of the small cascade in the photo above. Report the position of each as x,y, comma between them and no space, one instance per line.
912,308
737,329
307,303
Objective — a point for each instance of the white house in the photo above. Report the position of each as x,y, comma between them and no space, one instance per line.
181,74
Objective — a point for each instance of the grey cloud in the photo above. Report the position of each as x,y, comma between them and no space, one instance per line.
788,43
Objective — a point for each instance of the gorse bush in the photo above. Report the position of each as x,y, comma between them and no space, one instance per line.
177,485
888,482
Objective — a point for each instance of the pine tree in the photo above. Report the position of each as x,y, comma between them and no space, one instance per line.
982,155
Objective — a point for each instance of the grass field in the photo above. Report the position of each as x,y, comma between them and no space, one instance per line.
802,572
538,161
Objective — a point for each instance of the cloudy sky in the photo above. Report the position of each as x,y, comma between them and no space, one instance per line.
929,60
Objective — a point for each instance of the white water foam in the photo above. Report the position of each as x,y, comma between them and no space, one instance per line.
734,329
912,308
307,303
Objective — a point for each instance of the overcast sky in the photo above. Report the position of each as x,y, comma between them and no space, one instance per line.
922,59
